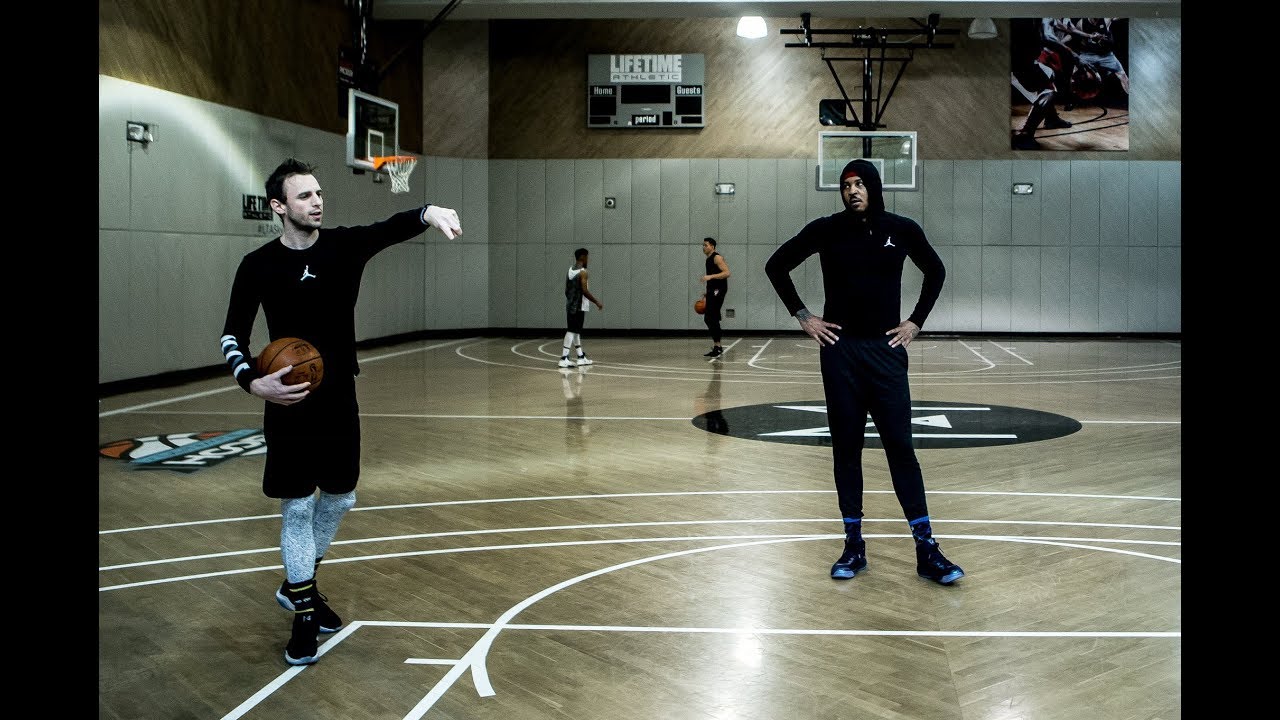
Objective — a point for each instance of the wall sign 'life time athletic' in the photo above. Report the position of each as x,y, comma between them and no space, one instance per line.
646,91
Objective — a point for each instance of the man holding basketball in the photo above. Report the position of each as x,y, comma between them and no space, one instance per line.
717,280
863,351
307,282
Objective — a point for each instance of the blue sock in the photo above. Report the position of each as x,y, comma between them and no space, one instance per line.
853,529
920,529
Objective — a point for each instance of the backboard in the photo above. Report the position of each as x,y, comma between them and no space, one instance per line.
373,129
892,152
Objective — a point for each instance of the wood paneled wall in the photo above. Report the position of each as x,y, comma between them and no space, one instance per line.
455,90
277,58
762,98
517,88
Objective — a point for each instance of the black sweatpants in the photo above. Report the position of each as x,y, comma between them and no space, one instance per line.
860,376
711,314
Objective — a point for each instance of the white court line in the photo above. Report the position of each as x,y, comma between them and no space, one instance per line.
754,358
826,432
634,370
546,356
430,416
1003,383
771,374
610,496
427,536
656,523
1150,367
1064,542
523,417
974,350
872,633
761,630
727,349
988,373
426,416
289,674
1145,367
410,351
234,386
476,657
751,363
1011,352
1130,422
191,396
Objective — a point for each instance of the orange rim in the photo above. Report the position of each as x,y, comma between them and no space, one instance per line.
378,162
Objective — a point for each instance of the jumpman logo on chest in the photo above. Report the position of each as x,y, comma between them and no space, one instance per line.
306,273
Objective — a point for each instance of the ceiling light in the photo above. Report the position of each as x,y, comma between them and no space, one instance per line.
752,26
982,29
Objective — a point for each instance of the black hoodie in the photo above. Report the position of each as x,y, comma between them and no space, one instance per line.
862,254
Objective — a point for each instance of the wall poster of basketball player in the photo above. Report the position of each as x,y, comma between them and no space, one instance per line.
1069,83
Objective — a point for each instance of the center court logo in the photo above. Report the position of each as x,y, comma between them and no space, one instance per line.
933,424
185,452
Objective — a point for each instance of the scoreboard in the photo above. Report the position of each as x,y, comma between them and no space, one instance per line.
646,91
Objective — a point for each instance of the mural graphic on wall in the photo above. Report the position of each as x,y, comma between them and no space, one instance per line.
1070,83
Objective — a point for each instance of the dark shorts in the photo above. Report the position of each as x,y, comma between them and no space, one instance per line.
313,444
573,320
715,301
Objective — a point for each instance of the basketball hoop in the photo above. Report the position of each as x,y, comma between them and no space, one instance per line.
399,167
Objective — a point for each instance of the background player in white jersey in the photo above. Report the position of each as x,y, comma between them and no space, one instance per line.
578,299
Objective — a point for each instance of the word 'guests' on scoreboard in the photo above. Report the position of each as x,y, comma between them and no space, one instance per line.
645,91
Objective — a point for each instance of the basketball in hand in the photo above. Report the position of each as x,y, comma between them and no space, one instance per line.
307,364
699,306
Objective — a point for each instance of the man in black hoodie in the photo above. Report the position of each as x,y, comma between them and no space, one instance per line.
862,250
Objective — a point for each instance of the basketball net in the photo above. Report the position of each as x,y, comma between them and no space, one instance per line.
399,167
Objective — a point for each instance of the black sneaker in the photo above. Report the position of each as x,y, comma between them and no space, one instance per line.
1056,123
932,565
716,351
327,621
852,561
303,648
1023,141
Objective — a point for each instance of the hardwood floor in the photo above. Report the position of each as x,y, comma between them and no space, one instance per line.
535,543
1093,127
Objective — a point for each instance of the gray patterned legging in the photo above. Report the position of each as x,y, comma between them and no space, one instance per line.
307,527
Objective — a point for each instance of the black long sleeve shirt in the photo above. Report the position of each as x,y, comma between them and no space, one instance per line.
862,257
309,294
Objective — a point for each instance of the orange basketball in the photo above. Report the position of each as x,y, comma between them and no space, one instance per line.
307,364
699,306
